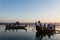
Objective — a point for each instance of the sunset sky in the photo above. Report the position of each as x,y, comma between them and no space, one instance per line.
30,10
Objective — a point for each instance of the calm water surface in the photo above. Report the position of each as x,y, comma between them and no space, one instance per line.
27,34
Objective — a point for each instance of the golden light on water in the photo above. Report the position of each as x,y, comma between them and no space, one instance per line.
57,28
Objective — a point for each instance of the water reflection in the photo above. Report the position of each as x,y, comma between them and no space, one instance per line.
31,34
41,34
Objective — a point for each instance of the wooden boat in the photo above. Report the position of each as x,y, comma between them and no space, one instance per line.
39,27
16,25
15,28
42,28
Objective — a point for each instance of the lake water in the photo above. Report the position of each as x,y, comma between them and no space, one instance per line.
29,33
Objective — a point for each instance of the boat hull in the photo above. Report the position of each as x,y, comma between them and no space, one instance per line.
16,26
44,29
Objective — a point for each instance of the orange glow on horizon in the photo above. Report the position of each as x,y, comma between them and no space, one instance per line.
30,20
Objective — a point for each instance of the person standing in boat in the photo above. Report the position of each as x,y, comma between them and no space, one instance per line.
38,25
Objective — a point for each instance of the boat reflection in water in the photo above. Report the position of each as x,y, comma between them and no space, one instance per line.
41,34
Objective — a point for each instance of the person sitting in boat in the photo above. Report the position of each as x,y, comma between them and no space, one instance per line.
49,26
44,27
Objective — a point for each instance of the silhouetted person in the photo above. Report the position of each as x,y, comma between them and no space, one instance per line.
49,26
17,23
44,27
38,26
